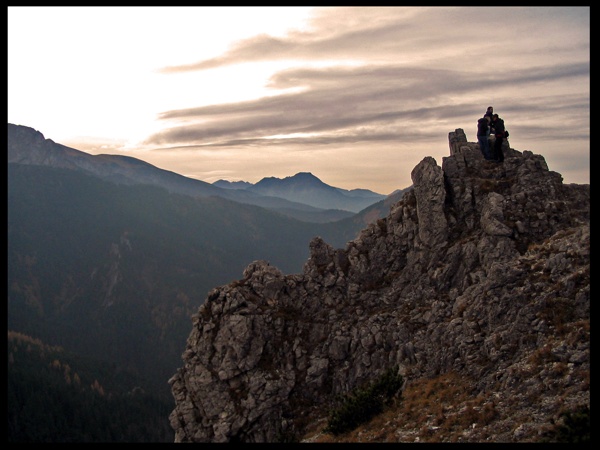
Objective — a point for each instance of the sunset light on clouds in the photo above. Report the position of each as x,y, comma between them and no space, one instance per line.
357,96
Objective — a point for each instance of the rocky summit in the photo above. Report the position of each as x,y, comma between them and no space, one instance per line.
480,274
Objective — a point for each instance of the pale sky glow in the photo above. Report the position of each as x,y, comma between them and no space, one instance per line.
357,96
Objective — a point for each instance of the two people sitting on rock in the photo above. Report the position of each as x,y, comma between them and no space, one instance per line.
491,123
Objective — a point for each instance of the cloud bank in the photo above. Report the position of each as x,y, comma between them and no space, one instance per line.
372,76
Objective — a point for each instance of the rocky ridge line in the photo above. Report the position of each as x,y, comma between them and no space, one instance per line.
480,270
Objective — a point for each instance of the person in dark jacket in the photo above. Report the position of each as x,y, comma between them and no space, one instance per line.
498,125
483,133
489,113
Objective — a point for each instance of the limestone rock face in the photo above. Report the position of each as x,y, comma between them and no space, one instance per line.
481,269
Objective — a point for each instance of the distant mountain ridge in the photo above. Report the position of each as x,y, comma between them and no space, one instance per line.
306,188
225,184
29,146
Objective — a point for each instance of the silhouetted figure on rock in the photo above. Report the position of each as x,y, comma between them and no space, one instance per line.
483,134
498,125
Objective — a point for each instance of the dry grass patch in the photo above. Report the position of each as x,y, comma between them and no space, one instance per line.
430,410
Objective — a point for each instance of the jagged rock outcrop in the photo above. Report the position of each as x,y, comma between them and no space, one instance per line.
481,269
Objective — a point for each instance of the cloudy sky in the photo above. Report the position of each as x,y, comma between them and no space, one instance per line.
357,96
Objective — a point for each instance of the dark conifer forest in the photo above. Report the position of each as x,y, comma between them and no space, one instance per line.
55,396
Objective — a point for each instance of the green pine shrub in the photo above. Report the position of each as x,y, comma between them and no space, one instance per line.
364,403
573,428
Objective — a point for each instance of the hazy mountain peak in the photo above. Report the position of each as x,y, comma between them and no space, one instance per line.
305,176
298,177
304,187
